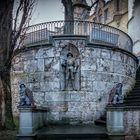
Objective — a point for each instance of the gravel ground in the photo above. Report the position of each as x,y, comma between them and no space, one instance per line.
8,134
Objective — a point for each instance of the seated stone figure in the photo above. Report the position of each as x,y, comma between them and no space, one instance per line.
115,95
26,96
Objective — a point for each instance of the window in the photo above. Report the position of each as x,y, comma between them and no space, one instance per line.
100,18
105,15
95,19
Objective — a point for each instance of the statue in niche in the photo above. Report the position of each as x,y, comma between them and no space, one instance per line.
70,71
115,95
26,96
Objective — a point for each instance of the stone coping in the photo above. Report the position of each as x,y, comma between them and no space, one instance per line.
123,107
32,109
115,107
70,36
27,135
116,134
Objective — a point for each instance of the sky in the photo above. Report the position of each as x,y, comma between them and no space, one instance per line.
48,10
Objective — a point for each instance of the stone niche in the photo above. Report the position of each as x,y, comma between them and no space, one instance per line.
98,69
69,68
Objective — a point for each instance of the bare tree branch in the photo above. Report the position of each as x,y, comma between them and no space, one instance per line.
93,3
24,10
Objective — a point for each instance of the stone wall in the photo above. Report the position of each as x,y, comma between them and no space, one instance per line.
132,123
101,67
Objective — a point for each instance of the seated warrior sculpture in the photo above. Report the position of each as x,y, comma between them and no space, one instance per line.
26,96
115,95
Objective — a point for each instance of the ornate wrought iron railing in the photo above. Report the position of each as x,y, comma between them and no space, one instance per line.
98,33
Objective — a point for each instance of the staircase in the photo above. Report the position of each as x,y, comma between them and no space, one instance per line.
133,98
72,132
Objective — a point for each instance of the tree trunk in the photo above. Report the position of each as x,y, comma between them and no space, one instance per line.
2,106
6,117
6,101
69,17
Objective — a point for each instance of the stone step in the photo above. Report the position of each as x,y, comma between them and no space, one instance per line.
73,137
137,84
136,89
100,122
72,132
137,78
134,92
138,71
131,94
132,103
132,97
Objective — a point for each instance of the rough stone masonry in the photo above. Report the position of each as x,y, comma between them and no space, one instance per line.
100,69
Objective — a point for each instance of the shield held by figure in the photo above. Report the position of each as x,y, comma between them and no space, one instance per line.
26,96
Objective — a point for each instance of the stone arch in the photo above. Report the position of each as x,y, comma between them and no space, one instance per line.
67,82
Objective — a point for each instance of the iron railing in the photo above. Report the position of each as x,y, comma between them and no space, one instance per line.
98,33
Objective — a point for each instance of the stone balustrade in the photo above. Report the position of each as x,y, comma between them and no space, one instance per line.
96,32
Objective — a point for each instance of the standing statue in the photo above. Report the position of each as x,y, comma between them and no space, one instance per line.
26,96
70,66
115,95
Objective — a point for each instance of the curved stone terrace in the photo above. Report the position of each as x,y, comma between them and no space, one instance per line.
96,33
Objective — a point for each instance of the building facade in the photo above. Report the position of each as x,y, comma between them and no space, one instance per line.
81,9
133,25
113,13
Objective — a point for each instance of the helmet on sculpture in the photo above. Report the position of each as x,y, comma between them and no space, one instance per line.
69,54
22,85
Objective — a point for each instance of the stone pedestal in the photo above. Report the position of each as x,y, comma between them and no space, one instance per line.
132,122
31,119
115,125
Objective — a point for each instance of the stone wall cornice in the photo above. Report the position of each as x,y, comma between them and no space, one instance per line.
88,44
70,37
122,107
113,48
32,47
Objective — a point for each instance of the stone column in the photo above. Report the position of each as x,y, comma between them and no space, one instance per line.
115,124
